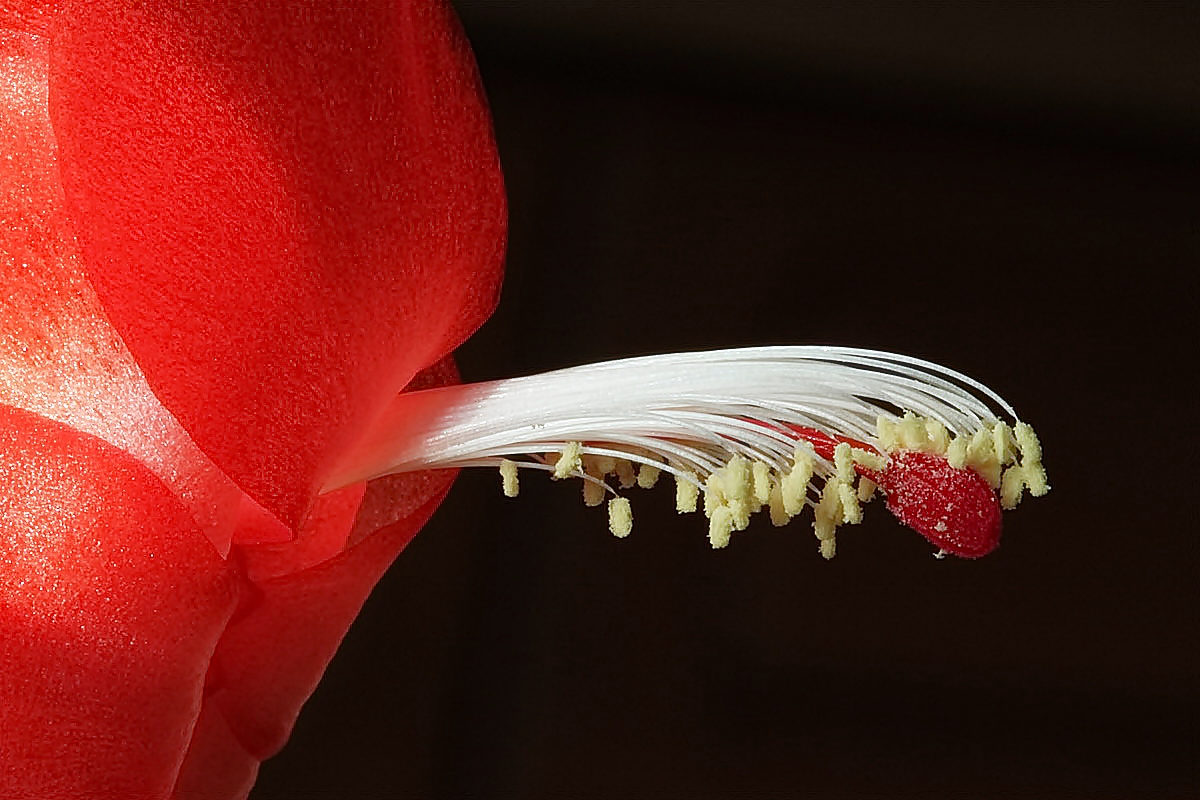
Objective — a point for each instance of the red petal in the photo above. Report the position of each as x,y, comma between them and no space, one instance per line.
217,767
111,603
273,654
323,537
286,210
59,356
299,599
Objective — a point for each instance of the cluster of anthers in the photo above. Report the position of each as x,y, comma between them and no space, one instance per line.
780,428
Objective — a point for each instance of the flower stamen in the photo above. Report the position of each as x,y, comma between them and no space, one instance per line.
750,429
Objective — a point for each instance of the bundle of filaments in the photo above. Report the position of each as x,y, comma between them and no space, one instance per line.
776,428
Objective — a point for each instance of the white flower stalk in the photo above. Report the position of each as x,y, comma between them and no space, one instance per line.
782,428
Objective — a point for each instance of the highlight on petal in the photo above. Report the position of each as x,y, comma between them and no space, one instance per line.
59,355
111,605
780,428
286,210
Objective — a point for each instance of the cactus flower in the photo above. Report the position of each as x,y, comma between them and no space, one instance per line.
240,241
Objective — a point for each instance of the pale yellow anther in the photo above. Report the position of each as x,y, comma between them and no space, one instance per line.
762,483
1031,459
828,548
740,511
648,476
979,448
1027,441
1003,443
720,527
730,487
843,462
872,461
620,517
981,456
1035,479
569,461
740,488
626,475
1011,485
779,515
848,499
912,432
887,432
795,483
739,480
828,512
866,489
605,465
1028,473
714,492
990,470
956,453
686,494
936,436
741,515
508,475
593,493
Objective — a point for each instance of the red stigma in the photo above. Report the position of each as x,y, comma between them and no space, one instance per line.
954,508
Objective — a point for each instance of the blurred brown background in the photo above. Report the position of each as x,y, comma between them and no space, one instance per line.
1008,189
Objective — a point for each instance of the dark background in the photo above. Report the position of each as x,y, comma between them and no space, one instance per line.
1008,189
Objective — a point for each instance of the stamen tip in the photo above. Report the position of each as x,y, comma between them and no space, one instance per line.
569,461
508,474
720,527
620,517
647,476
686,495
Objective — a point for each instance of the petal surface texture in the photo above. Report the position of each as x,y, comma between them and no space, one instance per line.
59,356
276,649
111,605
231,233
286,210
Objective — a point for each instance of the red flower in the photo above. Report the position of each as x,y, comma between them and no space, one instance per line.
236,237
232,232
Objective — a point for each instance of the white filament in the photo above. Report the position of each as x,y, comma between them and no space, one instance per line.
686,413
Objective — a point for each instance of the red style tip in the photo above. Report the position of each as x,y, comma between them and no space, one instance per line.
954,508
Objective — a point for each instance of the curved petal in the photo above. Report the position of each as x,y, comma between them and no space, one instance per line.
269,217
286,210
216,767
59,356
272,655
298,600
111,605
